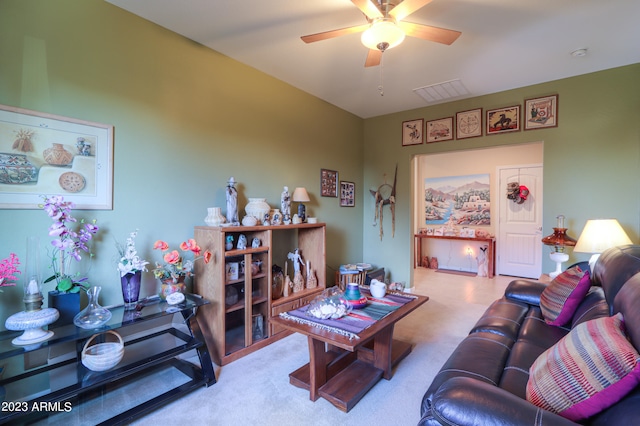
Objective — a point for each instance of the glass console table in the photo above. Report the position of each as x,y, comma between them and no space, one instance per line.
47,381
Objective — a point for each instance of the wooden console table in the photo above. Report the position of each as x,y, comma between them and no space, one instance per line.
491,242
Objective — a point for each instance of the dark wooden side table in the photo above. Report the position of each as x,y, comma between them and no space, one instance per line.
342,370
48,379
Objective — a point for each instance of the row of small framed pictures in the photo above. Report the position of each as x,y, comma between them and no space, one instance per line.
539,113
329,188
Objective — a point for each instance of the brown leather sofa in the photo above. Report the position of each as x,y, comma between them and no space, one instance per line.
484,380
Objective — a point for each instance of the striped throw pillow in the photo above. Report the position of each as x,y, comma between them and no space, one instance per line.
587,371
560,299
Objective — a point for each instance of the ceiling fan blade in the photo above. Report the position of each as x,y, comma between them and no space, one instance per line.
426,32
368,8
334,33
374,57
406,8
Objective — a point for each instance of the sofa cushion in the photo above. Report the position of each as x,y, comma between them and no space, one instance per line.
560,299
590,369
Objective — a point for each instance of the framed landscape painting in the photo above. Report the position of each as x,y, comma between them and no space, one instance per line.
46,154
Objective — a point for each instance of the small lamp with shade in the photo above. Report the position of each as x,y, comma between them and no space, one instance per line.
558,240
301,196
599,235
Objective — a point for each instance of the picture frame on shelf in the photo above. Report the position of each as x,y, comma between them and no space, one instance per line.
440,130
43,153
503,120
541,112
412,132
328,183
347,194
469,123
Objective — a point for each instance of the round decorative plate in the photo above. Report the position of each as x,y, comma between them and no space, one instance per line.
71,181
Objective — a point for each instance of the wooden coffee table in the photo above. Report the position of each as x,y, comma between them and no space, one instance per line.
341,370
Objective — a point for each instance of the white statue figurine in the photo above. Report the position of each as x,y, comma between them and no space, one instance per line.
232,202
298,279
482,262
285,204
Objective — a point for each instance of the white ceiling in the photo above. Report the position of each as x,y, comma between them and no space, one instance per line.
504,44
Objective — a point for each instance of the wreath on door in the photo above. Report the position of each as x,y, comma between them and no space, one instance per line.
517,193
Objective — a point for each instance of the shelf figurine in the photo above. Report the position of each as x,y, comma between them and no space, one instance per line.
298,279
232,202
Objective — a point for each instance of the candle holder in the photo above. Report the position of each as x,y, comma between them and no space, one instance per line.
33,318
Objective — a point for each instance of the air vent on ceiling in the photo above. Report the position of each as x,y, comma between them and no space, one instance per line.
442,91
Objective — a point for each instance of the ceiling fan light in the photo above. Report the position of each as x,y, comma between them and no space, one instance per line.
382,35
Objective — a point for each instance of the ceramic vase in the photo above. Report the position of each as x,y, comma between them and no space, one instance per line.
94,315
131,289
67,304
214,217
168,287
57,155
258,208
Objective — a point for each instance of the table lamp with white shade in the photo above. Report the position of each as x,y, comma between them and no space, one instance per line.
301,196
599,235
558,240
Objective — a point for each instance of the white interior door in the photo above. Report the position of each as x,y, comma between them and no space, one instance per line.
520,226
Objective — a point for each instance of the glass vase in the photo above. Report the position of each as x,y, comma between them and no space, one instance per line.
131,289
94,315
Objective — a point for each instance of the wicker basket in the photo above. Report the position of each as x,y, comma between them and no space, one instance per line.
103,356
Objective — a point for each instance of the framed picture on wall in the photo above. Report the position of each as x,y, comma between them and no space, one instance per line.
469,123
347,194
328,183
541,112
412,132
42,153
440,130
503,120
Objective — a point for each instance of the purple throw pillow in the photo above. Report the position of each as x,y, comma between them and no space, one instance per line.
559,301
587,371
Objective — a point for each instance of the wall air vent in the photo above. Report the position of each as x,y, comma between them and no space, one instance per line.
442,91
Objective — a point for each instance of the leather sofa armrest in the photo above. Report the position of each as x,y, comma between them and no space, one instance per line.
526,291
467,401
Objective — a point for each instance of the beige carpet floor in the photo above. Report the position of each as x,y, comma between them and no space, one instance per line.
255,390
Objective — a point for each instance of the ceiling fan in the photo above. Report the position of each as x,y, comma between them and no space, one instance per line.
386,29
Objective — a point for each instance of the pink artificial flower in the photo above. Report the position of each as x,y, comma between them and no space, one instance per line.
207,256
172,257
160,245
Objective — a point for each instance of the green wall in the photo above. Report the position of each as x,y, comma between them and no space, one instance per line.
186,118
591,160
